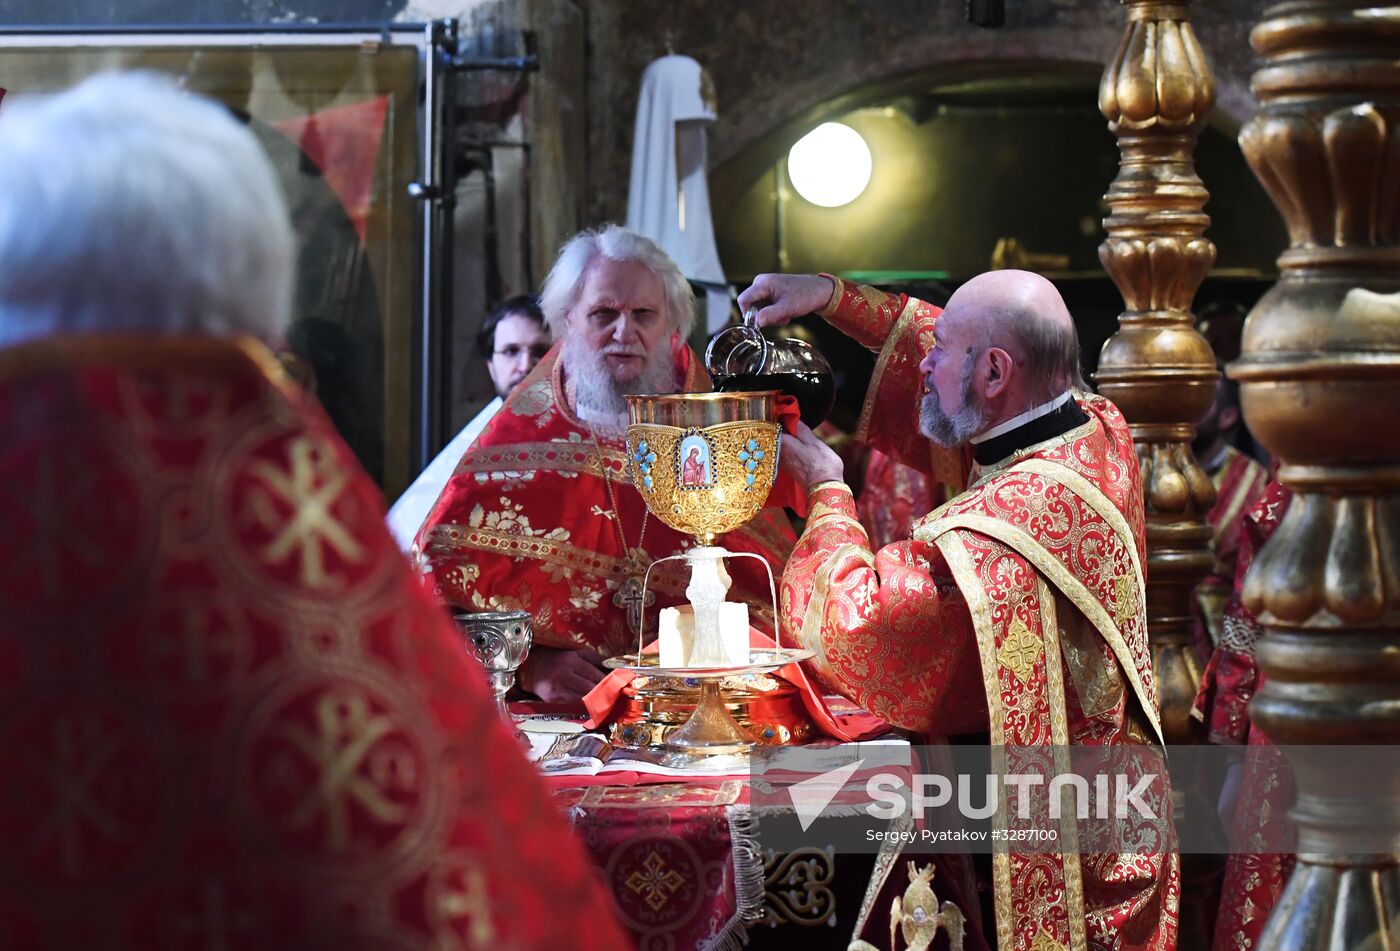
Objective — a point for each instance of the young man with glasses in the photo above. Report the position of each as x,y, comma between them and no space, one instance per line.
513,338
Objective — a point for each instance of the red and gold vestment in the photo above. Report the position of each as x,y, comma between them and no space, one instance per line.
893,497
232,716
1254,878
1017,608
1239,481
535,518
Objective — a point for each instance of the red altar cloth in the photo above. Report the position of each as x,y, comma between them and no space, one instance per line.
677,855
678,859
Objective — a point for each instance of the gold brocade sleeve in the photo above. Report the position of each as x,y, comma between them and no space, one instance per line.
900,329
863,313
889,629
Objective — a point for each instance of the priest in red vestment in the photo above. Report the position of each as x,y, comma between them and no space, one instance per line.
1255,804
893,497
1017,608
230,716
1239,481
540,515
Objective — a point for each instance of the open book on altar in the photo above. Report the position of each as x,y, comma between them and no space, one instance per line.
588,754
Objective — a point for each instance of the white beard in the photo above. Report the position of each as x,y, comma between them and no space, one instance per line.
947,431
602,401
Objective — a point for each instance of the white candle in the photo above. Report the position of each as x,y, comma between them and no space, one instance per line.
676,632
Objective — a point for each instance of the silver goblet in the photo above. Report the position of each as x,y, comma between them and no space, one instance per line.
500,640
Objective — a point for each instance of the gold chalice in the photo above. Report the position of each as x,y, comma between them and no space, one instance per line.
704,464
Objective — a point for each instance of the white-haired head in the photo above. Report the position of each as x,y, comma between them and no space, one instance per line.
129,206
565,281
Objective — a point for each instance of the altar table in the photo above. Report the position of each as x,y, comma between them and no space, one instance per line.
680,859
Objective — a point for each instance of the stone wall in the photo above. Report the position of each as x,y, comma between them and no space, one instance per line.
777,65
788,62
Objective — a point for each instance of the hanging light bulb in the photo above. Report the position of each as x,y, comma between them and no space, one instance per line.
830,166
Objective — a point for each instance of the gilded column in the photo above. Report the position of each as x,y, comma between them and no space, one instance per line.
1320,387
1157,368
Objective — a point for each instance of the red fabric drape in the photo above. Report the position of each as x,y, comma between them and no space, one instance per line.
229,714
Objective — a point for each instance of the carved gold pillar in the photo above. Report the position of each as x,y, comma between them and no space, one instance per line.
1320,375
1157,368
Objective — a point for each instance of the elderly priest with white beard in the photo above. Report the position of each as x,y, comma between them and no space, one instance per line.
540,515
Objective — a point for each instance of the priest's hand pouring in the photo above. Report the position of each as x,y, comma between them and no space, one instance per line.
777,299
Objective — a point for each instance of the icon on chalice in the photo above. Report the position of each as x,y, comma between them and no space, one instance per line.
704,464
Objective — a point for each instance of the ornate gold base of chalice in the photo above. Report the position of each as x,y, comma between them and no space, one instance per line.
710,729
766,707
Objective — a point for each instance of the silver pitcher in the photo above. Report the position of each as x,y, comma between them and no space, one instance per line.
740,358
501,640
